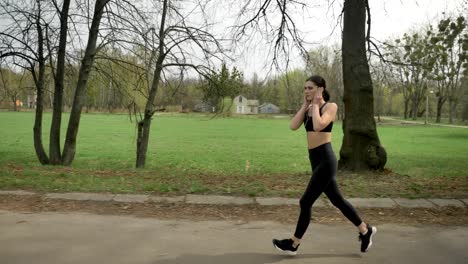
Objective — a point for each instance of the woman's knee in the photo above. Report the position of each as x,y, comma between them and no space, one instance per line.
303,203
306,203
338,202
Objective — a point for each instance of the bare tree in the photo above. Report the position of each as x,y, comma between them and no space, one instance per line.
36,50
282,35
59,75
23,45
69,148
361,148
178,47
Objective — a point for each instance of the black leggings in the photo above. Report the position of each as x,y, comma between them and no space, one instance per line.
324,167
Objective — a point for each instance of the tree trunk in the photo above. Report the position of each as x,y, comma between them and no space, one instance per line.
142,141
15,107
80,92
145,124
50,101
361,149
414,107
406,108
37,130
451,111
440,103
465,112
54,143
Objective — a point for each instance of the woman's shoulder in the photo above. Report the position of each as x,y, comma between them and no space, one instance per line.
331,105
330,108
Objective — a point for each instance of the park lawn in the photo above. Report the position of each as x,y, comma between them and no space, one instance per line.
250,155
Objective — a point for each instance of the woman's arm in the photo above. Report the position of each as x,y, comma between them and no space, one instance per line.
328,115
298,118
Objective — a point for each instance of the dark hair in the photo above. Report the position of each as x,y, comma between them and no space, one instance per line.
320,82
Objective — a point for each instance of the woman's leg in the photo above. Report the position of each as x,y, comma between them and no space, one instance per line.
366,232
333,193
318,183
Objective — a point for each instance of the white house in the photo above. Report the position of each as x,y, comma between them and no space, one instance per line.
242,105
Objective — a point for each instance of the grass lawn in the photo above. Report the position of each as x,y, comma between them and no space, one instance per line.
240,155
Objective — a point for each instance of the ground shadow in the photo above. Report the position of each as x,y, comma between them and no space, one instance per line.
246,258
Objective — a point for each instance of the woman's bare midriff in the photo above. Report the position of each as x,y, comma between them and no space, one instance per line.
315,139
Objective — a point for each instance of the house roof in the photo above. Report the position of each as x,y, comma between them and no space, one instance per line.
249,101
252,102
265,104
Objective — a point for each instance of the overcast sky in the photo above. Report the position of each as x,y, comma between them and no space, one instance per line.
390,19
320,23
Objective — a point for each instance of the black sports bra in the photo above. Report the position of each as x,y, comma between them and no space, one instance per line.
309,124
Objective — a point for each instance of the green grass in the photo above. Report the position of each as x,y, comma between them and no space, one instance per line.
240,155
432,120
426,151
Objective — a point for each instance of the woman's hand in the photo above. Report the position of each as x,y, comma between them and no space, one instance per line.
307,103
318,96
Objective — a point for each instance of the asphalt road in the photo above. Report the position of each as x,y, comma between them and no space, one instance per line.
86,238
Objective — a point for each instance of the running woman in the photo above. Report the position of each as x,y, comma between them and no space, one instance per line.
318,114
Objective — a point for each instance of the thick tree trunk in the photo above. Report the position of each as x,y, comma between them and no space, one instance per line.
54,143
80,93
361,148
142,141
145,124
37,130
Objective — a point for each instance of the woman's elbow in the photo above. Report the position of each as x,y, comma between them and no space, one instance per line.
319,127
294,127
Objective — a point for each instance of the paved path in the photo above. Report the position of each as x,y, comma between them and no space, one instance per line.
219,199
420,123
85,238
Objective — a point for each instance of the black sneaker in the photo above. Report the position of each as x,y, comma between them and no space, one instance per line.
286,246
366,240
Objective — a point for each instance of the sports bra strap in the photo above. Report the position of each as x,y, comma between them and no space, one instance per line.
320,109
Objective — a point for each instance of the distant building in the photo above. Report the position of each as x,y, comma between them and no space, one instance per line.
268,108
242,105
203,107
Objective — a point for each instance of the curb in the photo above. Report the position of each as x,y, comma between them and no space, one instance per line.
233,200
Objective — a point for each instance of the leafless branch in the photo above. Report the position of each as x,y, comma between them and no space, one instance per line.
285,32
